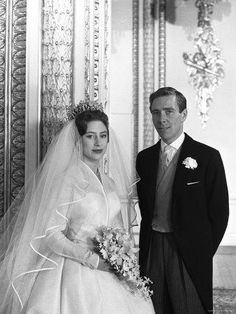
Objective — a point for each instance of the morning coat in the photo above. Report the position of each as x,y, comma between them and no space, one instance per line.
199,211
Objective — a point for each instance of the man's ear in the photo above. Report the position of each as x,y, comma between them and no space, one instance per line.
184,114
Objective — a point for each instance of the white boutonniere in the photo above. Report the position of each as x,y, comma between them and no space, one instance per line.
190,163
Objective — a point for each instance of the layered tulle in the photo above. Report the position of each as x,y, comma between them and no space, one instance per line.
44,208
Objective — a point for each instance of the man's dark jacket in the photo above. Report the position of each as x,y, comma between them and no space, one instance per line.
199,211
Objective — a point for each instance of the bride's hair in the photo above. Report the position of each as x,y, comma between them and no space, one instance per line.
82,119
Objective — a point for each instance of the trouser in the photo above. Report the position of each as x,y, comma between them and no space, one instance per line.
173,289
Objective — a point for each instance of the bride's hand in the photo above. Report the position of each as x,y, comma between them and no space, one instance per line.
103,265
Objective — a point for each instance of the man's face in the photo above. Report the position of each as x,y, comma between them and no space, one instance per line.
167,119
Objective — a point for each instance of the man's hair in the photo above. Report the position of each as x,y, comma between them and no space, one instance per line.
168,91
82,119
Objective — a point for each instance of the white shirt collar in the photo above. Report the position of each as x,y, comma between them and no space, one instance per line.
176,144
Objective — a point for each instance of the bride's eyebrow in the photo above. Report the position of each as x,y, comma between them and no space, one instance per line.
92,132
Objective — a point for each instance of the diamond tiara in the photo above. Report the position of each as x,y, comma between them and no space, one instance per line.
84,105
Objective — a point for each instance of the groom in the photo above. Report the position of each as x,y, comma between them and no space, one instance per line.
183,199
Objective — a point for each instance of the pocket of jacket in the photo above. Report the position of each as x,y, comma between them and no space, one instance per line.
193,183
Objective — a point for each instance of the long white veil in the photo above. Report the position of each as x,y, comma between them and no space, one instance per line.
42,206
118,170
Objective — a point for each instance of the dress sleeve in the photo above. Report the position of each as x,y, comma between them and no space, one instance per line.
61,245
56,238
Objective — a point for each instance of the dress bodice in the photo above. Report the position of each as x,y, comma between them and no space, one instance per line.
98,205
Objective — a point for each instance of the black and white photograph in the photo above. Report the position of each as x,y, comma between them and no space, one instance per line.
117,157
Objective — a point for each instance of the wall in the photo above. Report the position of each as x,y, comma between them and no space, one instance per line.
180,29
12,99
219,132
181,26
121,118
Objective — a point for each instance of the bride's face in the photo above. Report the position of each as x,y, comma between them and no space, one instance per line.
94,141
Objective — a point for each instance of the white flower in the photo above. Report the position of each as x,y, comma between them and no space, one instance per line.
190,163
117,248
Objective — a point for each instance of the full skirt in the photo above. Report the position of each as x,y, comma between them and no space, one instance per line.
73,288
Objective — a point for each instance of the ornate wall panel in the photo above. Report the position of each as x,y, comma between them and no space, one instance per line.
18,96
135,80
97,36
57,59
57,41
148,69
12,99
162,43
87,50
107,39
2,98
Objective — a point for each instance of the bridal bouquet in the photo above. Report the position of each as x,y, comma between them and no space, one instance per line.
117,248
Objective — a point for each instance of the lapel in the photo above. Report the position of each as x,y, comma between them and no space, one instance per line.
152,168
187,150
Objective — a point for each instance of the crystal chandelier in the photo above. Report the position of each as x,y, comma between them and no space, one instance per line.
205,65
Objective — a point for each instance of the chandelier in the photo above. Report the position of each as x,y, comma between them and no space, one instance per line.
205,65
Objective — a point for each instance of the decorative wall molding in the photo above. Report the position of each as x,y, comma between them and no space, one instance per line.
33,86
107,44
87,50
12,104
162,44
57,62
135,58
2,100
7,107
96,56
18,96
148,69
97,45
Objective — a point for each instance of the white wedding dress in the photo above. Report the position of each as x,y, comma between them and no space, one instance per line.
74,285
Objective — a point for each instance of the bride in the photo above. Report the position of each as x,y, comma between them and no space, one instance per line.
49,264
